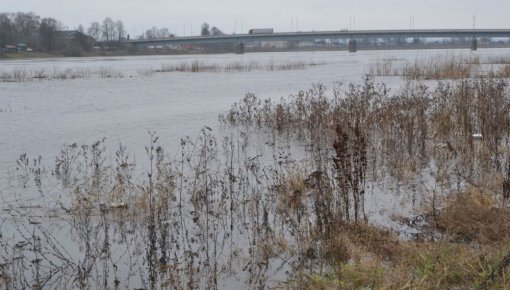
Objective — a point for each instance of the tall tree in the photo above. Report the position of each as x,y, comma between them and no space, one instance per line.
216,31
163,32
47,33
205,30
155,33
6,29
26,27
95,31
151,33
119,28
108,29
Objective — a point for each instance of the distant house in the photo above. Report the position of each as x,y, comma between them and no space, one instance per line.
21,47
74,38
68,34
9,49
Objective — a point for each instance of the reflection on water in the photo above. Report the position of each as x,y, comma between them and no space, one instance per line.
199,220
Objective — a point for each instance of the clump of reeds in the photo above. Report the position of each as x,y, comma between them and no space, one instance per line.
498,60
473,251
383,67
292,189
503,71
447,67
474,217
25,75
198,66
350,162
436,68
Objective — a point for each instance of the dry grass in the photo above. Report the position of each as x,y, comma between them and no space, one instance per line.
363,256
503,71
26,75
472,217
442,67
362,242
291,191
383,67
437,68
198,66
498,60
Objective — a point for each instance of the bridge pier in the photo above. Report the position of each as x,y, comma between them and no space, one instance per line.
240,48
474,44
353,47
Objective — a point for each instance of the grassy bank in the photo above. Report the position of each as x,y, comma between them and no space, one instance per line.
472,251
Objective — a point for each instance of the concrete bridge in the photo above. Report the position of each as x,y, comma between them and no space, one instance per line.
350,36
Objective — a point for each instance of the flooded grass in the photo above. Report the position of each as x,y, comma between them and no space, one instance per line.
24,75
289,195
197,66
433,68
366,256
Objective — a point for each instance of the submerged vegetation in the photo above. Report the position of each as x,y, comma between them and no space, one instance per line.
353,186
197,66
25,75
442,67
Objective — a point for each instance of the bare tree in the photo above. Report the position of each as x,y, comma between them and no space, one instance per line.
26,27
163,32
151,33
95,31
155,33
6,29
121,31
108,29
216,31
205,30
47,33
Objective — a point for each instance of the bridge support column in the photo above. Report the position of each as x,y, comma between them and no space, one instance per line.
353,47
240,48
474,44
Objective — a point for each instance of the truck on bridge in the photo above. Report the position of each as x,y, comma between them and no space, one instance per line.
261,31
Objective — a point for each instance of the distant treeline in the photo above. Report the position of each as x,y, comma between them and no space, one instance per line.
41,34
22,31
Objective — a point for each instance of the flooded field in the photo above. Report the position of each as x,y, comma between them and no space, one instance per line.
236,171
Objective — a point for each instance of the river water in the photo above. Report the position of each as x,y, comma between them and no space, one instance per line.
39,117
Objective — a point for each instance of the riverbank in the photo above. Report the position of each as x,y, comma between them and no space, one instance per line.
148,52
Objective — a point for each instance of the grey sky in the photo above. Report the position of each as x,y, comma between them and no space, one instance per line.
283,15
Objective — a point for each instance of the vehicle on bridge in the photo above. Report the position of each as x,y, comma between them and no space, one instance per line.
261,31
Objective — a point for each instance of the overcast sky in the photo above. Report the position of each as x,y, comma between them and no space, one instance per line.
186,16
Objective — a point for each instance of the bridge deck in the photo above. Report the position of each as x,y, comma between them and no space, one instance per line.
304,36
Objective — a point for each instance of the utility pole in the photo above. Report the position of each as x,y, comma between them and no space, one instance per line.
474,41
